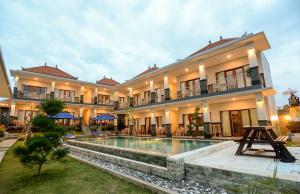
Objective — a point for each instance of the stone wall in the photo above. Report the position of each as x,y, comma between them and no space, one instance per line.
150,158
231,179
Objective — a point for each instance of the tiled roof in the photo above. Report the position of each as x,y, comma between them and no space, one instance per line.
108,81
150,69
47,70
212,45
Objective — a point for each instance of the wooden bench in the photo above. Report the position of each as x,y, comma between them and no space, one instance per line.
281,139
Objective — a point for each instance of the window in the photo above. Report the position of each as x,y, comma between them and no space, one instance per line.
103,99
64,95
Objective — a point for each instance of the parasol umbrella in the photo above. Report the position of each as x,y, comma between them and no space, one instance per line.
64,115
104,117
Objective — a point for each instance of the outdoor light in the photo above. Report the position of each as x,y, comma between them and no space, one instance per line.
201,67
67,83
233,99
250,52
35,78
186,69
205,109
287,117
228,56
274,118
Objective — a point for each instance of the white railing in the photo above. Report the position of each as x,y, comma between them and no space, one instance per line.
32,95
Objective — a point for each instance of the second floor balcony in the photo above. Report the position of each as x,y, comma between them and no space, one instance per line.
230,84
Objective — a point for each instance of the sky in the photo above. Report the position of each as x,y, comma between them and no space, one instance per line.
120,39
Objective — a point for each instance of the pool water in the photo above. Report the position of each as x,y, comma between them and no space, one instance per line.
166,146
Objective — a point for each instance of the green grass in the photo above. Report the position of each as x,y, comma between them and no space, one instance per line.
68,176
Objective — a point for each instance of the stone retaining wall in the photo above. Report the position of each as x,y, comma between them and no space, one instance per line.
174,170
231,179
150,158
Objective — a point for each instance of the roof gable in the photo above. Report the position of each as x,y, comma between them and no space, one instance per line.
47,70
150,69
212,45
108,82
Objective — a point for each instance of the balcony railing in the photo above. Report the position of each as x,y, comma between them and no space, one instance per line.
31,95
230,83
68,99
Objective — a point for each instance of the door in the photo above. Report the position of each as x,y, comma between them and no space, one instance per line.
147,125
236,123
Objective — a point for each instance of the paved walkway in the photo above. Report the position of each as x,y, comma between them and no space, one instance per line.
5,145
227,160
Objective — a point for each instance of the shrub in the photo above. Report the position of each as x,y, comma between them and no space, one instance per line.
47,147
2,130
40,150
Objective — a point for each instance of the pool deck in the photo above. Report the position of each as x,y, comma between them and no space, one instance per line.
226,159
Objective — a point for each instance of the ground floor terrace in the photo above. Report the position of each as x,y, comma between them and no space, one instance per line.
221,116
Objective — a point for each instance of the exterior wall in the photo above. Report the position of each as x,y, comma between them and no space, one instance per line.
211,71
264,64
215,109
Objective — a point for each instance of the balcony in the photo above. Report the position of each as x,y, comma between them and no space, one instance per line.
68,99
31,95
230,84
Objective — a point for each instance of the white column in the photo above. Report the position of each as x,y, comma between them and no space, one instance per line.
52,86
261,109
158,95
252,56
130,92
16,81
116,96
95,92
167,116
151,85
80,112
206,115
202,73
81,90
152,118
95,113
13,108
166,81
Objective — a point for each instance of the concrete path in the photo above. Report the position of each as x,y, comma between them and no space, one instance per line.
5,145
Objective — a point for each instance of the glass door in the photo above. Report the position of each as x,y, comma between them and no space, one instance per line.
236,123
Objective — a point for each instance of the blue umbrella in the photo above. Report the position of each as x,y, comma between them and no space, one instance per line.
104,117
64,115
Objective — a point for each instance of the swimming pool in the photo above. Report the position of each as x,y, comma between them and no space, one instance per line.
163,146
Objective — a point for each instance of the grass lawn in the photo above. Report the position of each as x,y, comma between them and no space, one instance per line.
69,176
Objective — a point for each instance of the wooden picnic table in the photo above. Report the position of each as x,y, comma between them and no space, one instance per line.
264,135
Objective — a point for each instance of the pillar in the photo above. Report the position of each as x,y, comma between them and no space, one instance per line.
167,87
81,94
203,79
168,123
261,109
152,93
130,121
95,100
52,90
80,116
153,124
130,97
207,121
115,122
253,65
116,100
13,109
15,92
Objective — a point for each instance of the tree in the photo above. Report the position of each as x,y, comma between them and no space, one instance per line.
47,147
52,107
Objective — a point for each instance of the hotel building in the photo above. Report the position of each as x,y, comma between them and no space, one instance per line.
229,80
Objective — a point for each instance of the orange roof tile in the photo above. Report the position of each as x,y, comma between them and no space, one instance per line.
212,45
108,81
150,69
47,70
